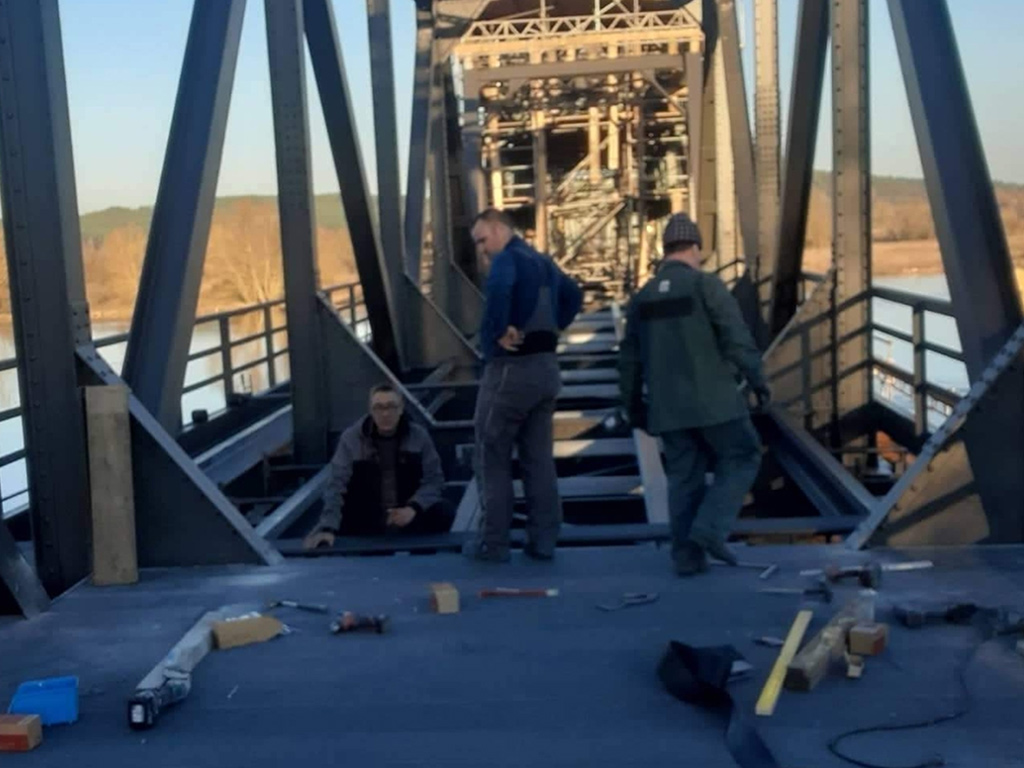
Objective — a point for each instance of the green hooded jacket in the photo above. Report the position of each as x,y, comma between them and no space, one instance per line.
685,343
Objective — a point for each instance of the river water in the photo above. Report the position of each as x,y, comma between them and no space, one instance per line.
943,371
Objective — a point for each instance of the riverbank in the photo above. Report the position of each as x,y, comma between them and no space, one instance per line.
906,258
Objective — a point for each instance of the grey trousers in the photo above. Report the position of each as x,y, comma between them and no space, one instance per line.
697,511
515,408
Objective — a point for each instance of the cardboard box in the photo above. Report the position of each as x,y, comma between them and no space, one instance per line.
868,639
444,598
245,630
20,733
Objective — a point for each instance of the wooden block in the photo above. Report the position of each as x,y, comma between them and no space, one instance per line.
773,686
444,598
813,662
868,639
854,665
114,559
20,733
245,630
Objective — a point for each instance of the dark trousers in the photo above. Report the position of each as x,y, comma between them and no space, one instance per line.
515,409
697,511
373,522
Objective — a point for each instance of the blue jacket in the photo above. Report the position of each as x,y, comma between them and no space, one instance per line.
513,285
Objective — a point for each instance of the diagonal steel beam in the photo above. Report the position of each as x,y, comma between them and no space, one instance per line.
973,245
798,171
423,105
329,70
766,121
44,262
298,227
165,309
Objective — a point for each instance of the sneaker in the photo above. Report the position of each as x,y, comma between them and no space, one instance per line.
478,550
690,560
531,551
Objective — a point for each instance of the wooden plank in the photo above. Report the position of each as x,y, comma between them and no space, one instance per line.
114,557
812,663
652,473
773,685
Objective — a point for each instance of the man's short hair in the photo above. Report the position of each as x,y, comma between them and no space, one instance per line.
494,216
383,388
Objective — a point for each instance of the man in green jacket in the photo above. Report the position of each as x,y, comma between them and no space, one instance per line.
684,344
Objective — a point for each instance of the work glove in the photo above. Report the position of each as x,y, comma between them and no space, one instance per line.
763,393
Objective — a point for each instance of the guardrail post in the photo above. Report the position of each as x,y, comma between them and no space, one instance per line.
920,373
352,306
268,335
224,330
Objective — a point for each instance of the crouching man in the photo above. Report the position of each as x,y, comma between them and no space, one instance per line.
386,477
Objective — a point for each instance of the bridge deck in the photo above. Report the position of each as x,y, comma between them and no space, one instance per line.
551,682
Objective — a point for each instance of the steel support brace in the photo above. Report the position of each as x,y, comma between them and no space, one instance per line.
329,69
804,109
44,262
851,153
973,245
420,141
165,309
739,126
459,188
298,228
766,122
20,588
707,178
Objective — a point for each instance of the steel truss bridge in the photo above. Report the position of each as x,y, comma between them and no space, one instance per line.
592,121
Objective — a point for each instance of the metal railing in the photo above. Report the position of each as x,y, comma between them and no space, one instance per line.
239,344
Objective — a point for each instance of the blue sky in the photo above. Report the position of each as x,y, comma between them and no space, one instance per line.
123,59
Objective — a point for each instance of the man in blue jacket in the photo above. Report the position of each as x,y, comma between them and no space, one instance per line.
529,301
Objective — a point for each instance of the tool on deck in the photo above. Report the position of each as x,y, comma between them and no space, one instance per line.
822,589
630,598
356,622
767,572
517,592
915,565
773,685
312,608
769,641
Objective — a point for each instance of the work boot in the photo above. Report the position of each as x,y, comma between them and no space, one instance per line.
719,551
531,551
475,549
690,559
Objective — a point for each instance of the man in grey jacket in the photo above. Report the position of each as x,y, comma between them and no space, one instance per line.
386,477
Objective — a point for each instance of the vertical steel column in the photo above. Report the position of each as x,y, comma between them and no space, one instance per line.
385,131
423,104
694,121
463,204
298,227
739,128
540,182
329,70
707,179
472,155
804,108
44,262
974,249
851,163
766,119
165,308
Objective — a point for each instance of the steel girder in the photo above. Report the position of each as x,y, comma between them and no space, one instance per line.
44,259
707,179
329,70
420,142
798,173
766,122
974,249
298,227
165,308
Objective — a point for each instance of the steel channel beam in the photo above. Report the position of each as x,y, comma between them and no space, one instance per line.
766,123
298,227
851,163
475,79
973,245
44,262
460,187
329,70
244,450
424,102
798,172
20,588
165,308
739,126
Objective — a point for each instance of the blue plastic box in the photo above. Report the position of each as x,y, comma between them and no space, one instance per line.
54,699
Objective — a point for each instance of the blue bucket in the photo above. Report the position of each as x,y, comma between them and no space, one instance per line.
54,699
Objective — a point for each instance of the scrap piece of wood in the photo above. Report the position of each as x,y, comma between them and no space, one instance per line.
773,686
809,666
114,556
868,639
444,597
854,665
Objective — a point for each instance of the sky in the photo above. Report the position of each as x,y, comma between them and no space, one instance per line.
123,58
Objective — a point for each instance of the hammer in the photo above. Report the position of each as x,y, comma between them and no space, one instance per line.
822,589
869,575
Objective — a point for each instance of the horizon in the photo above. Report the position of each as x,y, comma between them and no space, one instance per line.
123,80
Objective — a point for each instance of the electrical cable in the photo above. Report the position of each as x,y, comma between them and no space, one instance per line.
934,761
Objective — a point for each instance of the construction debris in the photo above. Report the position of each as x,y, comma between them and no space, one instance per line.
812,663
355,622
245,630
444,598
773,686
517,592
628,599
915,565
298,606
868,639
20,733
820,590
854,665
